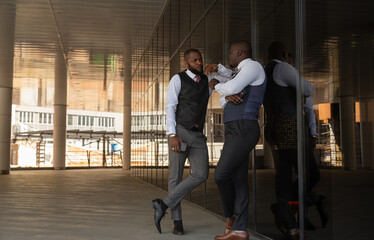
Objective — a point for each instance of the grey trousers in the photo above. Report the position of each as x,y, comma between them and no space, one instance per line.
197,154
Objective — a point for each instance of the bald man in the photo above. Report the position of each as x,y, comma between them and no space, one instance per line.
241,97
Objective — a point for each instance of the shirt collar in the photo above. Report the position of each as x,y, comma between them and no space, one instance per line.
191,74
243,62
276,60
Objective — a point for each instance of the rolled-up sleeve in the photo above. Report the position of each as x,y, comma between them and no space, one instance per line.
250,74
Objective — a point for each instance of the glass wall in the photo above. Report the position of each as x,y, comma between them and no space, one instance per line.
332,45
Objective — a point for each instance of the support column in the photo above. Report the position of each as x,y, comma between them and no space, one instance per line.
60,104
7,19
347,130
127,108
365,61
347,119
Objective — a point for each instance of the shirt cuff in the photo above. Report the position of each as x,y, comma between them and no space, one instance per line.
171,132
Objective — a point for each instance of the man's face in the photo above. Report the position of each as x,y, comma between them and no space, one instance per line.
194,63
233,57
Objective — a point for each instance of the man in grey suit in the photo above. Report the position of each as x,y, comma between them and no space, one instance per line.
187,99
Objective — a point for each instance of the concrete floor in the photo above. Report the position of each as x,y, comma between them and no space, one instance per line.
90,204
350,198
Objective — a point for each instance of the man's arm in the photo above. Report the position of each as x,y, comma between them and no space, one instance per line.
171,106
219,68
289,75
251,74
310,116
236,99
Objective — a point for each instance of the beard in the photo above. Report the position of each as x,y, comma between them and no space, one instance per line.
195,71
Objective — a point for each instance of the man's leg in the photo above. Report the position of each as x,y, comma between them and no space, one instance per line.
198,157
240,178
235,152
284,187
176,167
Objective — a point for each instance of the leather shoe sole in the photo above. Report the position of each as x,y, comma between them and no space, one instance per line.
233,235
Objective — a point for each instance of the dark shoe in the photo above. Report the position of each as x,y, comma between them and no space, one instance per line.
322,210
278,223
178,227
229,222
233,235
159,212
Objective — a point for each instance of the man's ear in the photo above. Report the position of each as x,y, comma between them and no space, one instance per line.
185,64
239,52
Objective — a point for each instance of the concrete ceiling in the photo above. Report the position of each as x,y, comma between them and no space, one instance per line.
93,35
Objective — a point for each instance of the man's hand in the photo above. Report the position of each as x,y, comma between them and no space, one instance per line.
174,143
236,99
210,68
213,83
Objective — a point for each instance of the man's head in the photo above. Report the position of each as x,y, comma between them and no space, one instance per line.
193,61
238,52
277,50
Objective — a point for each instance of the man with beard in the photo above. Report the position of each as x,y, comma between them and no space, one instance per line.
187,99
242,133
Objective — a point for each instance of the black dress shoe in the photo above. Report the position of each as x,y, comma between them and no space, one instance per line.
159,212
278,222
178,227
322,210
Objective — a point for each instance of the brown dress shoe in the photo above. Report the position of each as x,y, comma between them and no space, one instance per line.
233,235
294,234
229,223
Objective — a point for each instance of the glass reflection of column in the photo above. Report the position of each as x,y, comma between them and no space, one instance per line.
366,96
7,24
254,42
347,118
299,27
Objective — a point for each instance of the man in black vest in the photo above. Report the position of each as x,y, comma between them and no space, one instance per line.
187,99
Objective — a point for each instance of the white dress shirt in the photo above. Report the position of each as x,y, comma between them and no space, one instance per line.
172,94
285,75
248,72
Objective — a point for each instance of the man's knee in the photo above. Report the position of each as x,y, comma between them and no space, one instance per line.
219,177
202,176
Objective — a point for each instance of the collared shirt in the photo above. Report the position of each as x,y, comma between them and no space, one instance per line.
172,94
248,72
285,75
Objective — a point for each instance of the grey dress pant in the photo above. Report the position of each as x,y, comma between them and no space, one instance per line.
231,174
197,154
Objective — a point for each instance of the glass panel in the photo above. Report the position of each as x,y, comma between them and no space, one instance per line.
338,60
276,189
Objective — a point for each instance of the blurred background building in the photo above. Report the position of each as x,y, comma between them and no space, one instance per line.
83,83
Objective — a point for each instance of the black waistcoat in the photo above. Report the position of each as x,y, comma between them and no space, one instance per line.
280,109
192,102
